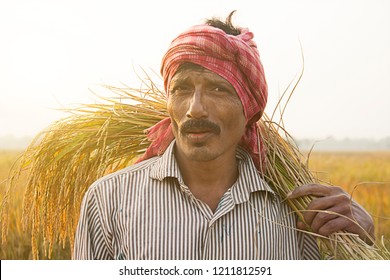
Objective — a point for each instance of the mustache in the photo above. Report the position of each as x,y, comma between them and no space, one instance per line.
191,125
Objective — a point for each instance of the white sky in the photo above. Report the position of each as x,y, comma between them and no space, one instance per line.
52,52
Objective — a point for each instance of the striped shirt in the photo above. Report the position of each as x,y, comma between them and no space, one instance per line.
146,212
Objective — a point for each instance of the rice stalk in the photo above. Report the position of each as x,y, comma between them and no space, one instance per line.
97,139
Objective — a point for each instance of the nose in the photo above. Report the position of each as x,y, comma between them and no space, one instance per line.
197,108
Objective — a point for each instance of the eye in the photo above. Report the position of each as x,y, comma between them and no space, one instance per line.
180,89
218,89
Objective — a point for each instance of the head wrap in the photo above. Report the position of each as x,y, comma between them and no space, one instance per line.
234,58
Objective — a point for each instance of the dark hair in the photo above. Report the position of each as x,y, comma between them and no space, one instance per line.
226,26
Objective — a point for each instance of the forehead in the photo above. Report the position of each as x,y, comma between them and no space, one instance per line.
186,70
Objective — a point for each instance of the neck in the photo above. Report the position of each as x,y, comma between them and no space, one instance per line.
208,180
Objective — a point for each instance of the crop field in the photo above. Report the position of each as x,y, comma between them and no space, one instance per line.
365,175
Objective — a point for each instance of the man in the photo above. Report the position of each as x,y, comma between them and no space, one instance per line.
198,193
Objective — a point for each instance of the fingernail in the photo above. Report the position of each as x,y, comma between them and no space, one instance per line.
301,225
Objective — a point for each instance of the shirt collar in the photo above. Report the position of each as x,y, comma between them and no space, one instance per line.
248,181
166,165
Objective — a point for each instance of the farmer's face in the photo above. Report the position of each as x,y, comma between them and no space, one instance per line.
207,115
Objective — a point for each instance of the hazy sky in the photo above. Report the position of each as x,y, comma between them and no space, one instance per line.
52,52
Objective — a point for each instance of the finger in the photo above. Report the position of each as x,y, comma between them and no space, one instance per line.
332,226
310,189
323,217
317,205
301,225
314,190
320,221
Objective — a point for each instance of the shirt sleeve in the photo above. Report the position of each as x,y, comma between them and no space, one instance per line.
91,242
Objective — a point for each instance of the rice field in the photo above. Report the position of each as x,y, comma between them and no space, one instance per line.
366,175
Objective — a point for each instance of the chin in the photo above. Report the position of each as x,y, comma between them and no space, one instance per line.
200,154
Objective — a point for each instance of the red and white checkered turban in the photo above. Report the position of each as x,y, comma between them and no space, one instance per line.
234,58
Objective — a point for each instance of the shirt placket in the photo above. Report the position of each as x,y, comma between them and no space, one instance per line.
225,205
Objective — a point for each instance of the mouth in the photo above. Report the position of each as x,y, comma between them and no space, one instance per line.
199,130
198,136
